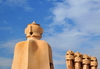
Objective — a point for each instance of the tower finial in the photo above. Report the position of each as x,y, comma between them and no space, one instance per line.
33,30
34,22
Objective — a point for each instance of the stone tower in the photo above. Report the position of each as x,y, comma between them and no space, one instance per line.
33,53
79,61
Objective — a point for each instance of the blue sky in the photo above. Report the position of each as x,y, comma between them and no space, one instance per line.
67,24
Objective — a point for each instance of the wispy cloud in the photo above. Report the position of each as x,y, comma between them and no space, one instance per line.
79,27
17,3
6,49
5,62
9,45
83,13
5,28
5,22
0,1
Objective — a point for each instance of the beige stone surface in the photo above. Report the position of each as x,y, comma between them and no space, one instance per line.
70,59
33,53
79,61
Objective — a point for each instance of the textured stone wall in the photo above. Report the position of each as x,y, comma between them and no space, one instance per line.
80,61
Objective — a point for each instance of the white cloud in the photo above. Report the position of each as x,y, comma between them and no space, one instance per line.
5,28
5,62
58,58
9,45
79,21
84,13
5,22
0,1
18,3
51,0
28,8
